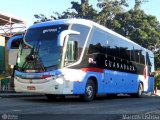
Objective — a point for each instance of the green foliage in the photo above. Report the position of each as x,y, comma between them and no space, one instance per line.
157,61
41,18
138,26
84,10
157,81
108,10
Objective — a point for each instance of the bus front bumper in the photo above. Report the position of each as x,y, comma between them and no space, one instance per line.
58,86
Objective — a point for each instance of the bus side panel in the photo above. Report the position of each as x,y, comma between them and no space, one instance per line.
150,84
114,82
119,82
79,87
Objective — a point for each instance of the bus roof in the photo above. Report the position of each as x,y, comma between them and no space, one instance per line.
64,21
85,22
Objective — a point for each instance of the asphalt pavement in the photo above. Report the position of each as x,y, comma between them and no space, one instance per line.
12,93
102,108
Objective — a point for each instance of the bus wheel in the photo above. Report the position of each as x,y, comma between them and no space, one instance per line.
51,96
89,91
139,92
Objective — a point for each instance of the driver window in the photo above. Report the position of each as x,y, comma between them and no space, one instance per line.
72,51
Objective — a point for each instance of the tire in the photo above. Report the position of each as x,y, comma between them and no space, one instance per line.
90,92
139,91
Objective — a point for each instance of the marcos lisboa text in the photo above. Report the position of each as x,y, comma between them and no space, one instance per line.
141,117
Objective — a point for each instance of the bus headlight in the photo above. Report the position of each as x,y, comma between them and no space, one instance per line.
60,80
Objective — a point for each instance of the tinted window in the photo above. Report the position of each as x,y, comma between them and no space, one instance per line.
142,56
81,38
109,44
132,54
125,49
106,43
151,58
98,43
137,54
150,62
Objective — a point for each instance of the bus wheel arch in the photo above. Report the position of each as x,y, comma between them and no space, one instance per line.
94,80
139,92
142,85
90,89
140,89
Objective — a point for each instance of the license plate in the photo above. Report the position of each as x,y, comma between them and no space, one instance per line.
31,71
31,88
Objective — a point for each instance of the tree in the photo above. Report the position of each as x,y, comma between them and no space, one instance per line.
84,10
138,4
109,9
141,28
138,26
41,18
77,10
157,82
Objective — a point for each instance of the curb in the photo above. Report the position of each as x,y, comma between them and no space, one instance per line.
18,95
11,94
8,91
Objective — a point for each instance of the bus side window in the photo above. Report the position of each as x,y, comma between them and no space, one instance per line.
97,44
142,57
132,55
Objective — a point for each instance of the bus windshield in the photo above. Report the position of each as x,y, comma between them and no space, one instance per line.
39,50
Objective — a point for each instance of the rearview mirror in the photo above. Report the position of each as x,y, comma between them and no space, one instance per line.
13,47
63,34
14,41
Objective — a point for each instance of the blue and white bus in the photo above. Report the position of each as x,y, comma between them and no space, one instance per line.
81,57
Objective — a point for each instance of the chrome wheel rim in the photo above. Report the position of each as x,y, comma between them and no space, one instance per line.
89,91
140,90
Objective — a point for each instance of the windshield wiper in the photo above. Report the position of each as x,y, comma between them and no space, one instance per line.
37,57
33,59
